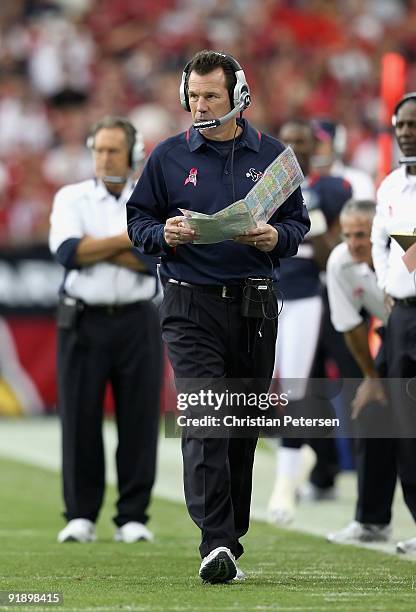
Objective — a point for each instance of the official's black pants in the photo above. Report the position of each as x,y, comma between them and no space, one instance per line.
376,461
122,347
208,338
400,350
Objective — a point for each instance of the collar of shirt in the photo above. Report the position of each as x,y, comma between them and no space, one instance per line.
408,181
250,137
102,192
364,269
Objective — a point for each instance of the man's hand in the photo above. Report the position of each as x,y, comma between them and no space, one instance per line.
264,237
177,232
369,390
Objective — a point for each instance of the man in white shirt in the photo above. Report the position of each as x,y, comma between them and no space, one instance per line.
108,332
352,288
396,212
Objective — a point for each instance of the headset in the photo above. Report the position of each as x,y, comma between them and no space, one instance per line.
239,97
405,98
134,139
407,161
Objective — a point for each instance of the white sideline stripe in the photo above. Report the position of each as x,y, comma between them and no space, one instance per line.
36,441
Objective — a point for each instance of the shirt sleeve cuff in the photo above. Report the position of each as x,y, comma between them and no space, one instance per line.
166,249
66,253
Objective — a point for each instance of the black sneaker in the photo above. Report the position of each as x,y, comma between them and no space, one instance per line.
218,566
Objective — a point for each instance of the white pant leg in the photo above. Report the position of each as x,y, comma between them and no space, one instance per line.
297,340
298,334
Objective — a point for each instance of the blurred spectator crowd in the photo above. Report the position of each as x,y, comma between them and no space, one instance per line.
65,63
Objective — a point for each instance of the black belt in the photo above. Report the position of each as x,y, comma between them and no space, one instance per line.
224,291
409,301
111,309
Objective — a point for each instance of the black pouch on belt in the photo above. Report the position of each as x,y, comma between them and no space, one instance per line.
67,312
256,295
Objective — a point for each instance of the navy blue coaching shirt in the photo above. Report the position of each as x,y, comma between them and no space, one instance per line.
300,275
189,171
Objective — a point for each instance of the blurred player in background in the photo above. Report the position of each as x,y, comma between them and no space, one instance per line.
329,159
300,320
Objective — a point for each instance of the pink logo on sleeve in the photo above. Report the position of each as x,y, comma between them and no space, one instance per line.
192,177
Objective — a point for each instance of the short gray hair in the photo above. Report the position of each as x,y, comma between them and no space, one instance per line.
113,121
359,207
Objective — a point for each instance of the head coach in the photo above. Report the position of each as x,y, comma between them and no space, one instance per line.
215,162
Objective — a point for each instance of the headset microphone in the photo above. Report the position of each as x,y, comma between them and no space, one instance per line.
114,180
408,161
213,123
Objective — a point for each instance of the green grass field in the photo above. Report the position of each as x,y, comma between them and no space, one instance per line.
286,570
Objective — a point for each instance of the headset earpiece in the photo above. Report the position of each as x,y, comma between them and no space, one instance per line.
405,98
239,96
183,88
90,142
137,153
241,90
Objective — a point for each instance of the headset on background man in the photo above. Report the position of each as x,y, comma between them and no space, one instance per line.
134,139
408,161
